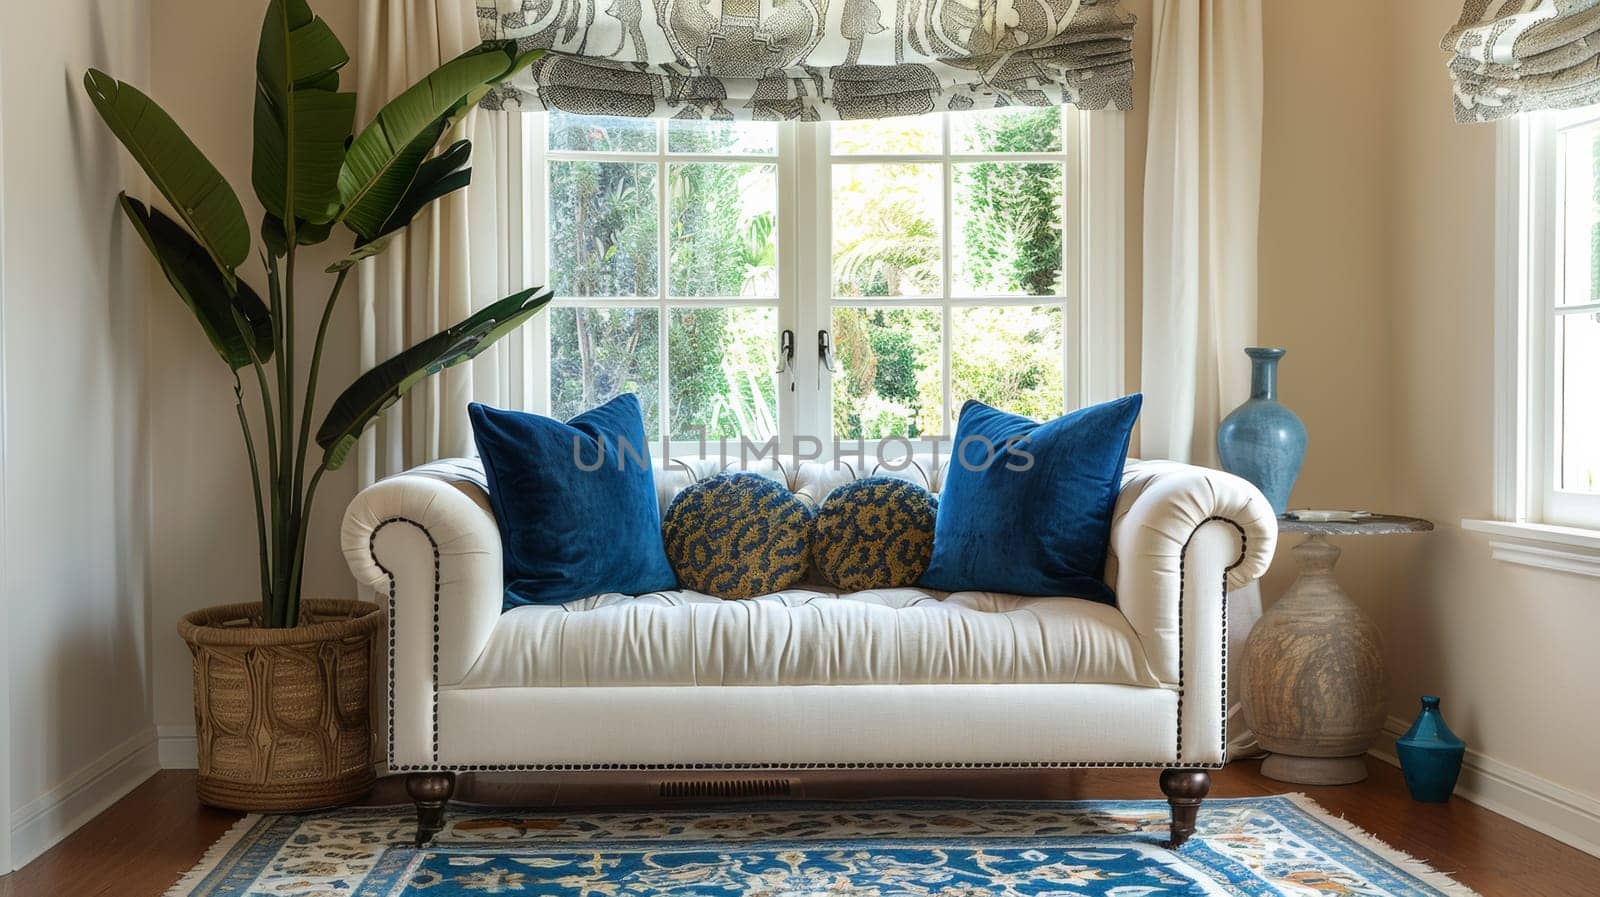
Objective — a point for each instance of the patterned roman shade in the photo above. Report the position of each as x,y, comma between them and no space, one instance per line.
1510,56
813,59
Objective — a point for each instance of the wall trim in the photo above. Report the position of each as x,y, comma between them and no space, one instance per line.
176,747
1564,548
1538,803
42,822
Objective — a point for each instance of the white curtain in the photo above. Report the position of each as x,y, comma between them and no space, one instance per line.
450,261
1202,189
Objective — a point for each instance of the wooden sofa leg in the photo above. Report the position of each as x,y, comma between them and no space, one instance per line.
1185,789
430,791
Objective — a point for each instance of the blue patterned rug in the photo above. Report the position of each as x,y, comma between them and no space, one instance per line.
1250,847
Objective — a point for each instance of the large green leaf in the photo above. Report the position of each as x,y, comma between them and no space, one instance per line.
384,158
382,386
436,177
200,284
306,234
301,120
176,166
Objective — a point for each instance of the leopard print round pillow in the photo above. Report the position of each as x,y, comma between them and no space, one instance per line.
874,533
737,535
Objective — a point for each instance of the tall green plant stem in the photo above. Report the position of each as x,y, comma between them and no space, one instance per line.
271,556
305,493
298,564
311,389
255,486
288,522
273,600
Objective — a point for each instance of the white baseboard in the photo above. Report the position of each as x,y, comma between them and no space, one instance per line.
40,823
177,747
1540,804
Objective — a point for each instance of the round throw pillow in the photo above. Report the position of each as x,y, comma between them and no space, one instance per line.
874,533
737,535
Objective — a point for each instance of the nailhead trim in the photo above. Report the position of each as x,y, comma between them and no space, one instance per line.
1183,560
1183,557
372,539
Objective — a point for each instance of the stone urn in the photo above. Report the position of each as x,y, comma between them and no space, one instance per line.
1312,678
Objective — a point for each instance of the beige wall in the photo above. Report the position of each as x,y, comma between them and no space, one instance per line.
203,547
1324,291
74,498
1511,649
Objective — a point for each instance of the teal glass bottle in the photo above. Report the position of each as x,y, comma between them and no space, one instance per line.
1430,755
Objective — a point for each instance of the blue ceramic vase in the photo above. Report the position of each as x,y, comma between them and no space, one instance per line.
1262,440
1430,755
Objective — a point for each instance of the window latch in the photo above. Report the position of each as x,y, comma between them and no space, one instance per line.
825,351
786,352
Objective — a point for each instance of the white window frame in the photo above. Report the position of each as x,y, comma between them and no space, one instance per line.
1534,524
1094,223
5,592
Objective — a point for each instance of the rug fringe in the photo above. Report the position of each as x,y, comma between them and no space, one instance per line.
1405,861
213,856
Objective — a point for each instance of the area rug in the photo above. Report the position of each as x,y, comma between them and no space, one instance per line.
1248,847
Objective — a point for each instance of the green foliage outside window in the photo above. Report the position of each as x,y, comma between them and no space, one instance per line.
720,243
1007,241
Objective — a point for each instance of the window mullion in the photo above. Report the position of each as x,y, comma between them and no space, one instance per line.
814,278
789,296
663,265
946,244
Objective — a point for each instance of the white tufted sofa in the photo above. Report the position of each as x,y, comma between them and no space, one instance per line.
808,678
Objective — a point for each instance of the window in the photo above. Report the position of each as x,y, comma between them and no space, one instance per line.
852,281
1547,343
1569,328
1548,328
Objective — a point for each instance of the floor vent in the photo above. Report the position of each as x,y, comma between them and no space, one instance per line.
736,788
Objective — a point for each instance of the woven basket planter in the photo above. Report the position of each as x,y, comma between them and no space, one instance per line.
282,717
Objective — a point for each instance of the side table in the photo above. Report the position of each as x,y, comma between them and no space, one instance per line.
1312,669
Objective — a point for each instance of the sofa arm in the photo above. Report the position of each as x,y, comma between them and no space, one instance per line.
427,542
1182,536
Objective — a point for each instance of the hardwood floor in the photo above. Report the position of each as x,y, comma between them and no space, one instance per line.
140,846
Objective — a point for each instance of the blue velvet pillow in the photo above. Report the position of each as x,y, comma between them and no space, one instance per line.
1026,507
576,502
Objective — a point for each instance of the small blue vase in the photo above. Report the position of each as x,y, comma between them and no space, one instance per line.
1262,440
1430,755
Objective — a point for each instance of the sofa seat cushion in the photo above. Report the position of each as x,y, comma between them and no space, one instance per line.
811,637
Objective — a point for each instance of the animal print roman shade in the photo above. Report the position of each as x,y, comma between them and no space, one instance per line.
1510,56
812,59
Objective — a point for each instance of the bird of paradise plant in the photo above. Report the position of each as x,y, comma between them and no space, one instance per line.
311,172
